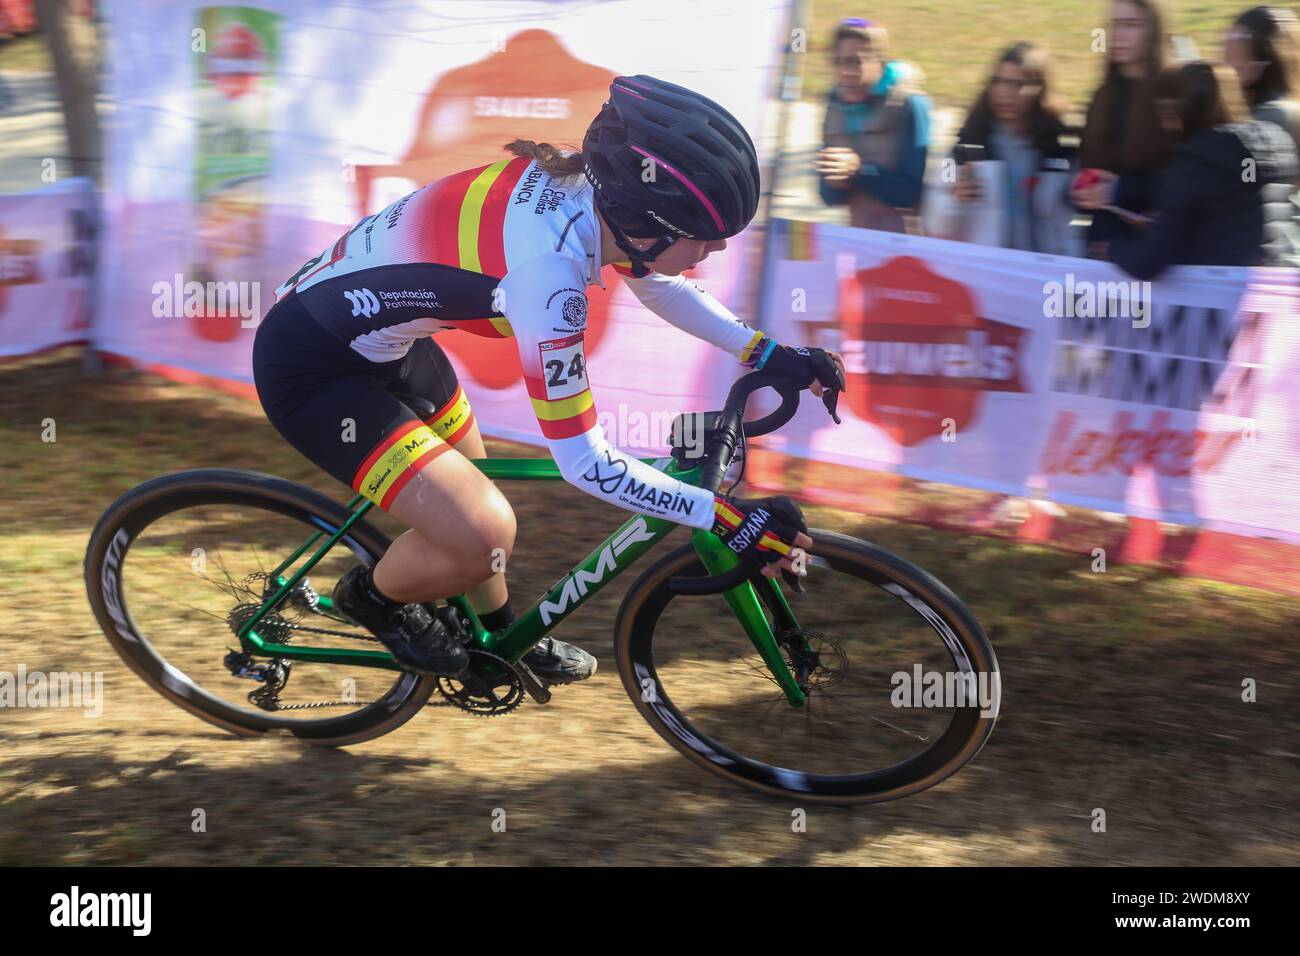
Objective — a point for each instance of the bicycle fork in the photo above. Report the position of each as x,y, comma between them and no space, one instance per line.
744,603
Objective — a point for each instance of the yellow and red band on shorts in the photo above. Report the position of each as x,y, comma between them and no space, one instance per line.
452,422
397,459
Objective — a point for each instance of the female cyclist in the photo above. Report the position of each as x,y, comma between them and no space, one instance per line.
509,250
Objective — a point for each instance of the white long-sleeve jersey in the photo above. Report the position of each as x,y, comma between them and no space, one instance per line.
507,251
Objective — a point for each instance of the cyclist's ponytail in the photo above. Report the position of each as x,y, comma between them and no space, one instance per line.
552,159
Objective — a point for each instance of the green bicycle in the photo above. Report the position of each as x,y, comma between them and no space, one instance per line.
807,690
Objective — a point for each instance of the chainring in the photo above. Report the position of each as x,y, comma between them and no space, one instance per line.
489,687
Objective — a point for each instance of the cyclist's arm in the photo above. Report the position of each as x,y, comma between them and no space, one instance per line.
538,295
685,304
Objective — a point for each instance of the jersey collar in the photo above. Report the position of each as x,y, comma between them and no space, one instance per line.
598,264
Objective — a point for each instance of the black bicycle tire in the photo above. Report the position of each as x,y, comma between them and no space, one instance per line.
134,509
646,600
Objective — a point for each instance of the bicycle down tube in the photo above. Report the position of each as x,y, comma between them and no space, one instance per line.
616,553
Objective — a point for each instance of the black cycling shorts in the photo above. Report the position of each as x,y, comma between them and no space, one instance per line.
339,409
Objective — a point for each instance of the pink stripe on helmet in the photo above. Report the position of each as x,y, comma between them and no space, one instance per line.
624,89
704,200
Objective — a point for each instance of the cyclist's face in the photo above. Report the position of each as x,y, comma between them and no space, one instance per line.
681,255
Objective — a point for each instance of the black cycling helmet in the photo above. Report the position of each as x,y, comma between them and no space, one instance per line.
700,164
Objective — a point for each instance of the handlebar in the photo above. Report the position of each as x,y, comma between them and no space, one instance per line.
731,423
698,587
730,428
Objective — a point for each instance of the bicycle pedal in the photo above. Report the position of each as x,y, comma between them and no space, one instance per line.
537,688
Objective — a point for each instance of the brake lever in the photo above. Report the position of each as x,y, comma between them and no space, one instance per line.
793,580
831,399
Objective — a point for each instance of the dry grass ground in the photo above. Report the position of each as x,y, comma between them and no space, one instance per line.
1121,691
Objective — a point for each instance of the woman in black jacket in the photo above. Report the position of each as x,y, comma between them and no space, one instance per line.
1122,136
1222,199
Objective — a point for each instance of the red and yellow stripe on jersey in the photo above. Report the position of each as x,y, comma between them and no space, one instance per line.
395,460
466,228
563,405
561,417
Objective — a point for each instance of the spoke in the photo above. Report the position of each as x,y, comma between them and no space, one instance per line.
907,733
162,597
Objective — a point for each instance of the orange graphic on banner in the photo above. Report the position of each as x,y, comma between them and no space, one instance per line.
532,88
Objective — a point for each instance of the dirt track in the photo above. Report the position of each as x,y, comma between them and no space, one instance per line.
1121,691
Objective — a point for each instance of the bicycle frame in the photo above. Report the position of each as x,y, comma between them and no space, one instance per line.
612,557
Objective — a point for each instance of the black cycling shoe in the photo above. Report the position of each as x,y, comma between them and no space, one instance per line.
558,663
418,641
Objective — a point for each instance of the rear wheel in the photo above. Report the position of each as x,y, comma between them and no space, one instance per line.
902,685
174,563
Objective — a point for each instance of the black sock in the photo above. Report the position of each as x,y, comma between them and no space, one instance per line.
366,584
501,617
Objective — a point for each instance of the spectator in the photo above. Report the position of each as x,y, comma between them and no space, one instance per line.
1223,195
1122,135
1017,128
877,131
1263,46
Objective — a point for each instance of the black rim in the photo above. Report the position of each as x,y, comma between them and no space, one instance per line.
138,509
959,743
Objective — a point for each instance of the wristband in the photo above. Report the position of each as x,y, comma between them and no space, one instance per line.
767,354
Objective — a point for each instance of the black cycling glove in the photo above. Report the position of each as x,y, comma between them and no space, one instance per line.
805,366
760,530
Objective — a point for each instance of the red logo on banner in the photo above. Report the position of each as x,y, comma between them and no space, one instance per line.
917,352
237,61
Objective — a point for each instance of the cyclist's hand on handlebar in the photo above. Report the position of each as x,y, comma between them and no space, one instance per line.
765,533
813,368
818,388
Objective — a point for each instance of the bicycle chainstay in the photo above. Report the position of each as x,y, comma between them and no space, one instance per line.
275,628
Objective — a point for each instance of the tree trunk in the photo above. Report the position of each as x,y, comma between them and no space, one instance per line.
73,42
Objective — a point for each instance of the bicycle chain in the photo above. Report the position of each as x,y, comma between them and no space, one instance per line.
281,631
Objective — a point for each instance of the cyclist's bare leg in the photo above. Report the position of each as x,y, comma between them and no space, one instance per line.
492,593
461,530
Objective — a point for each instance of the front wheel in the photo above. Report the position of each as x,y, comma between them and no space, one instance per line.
902,686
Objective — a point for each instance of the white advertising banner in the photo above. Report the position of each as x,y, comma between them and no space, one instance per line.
1051,377
47,254
249,138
